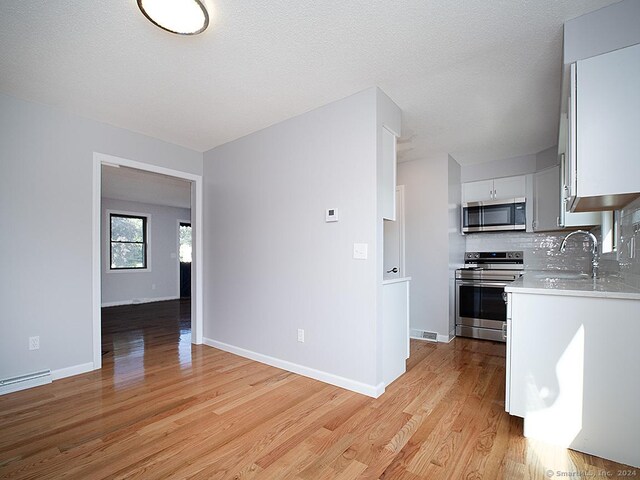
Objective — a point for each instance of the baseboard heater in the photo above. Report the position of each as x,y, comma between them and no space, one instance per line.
21,382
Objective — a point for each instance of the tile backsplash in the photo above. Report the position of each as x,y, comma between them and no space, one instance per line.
541,250
628,251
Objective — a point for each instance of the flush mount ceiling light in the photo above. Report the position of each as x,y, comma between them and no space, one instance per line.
184,17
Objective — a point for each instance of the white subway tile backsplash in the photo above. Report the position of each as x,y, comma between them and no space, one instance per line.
628,251
541,250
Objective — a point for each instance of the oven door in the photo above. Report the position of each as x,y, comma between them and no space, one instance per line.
481,304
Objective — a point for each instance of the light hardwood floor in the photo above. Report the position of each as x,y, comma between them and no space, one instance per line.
162,408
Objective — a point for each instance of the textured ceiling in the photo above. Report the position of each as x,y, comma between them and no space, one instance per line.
479,80
137,186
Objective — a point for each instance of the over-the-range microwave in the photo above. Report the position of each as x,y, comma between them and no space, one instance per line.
494,216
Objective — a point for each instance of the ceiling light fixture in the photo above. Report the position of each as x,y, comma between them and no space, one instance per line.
184,17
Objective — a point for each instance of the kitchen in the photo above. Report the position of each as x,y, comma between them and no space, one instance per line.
506,271
297,179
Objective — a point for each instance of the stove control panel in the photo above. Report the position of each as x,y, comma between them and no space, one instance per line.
494,257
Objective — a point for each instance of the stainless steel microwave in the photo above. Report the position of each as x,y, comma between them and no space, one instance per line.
494,216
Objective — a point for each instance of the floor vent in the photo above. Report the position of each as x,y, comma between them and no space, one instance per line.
424,335
21,382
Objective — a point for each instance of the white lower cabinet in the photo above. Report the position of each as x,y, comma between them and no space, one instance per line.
572,372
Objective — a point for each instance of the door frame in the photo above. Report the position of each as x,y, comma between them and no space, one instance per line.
197,202
401,218
178,250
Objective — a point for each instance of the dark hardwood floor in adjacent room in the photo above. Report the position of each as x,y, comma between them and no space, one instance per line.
163,408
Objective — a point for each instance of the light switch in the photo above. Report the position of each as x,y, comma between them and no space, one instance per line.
360,251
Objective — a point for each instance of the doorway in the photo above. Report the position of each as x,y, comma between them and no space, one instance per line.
393,256
184,258
196,272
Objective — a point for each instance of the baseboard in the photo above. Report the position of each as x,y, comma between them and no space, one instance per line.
136,301
71,371
369,390
445,338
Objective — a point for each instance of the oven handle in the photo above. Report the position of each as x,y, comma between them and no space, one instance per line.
482,284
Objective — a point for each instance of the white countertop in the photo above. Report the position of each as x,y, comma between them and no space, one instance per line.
565,283
389,281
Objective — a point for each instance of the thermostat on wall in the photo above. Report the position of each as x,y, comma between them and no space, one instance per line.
332,215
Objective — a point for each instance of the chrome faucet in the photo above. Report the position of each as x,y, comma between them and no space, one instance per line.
594,249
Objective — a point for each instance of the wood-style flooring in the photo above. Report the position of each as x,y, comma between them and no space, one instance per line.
163,408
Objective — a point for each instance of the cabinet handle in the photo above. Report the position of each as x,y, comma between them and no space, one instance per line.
504,331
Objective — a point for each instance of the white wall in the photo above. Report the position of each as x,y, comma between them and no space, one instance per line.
124,286
427,241
46,181
273,265
547,158
457,242
506,167
602,31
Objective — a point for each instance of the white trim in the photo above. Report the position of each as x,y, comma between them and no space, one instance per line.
197,291
96,264
107,242
71,371
400,215
445,338
370,390
136,301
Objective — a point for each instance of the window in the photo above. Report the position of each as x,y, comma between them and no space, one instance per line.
128,242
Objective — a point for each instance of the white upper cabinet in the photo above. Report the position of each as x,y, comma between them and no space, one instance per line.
546,200
549,200
603,157
477,191
509,187
389,172
494,189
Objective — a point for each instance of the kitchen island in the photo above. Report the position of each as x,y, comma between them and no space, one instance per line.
573,362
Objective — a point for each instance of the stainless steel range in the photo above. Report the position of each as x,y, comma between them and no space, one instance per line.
481,311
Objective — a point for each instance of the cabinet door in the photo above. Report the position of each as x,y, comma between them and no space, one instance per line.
568,218
546,200
388,191
477,191
608,122
509,187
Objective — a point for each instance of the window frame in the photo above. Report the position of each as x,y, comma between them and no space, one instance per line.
146,218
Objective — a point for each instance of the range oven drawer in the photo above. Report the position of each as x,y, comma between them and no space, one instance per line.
482,333
480,322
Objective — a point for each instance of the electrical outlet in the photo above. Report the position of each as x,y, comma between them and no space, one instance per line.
301,335
34,343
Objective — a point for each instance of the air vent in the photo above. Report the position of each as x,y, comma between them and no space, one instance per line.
424,335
